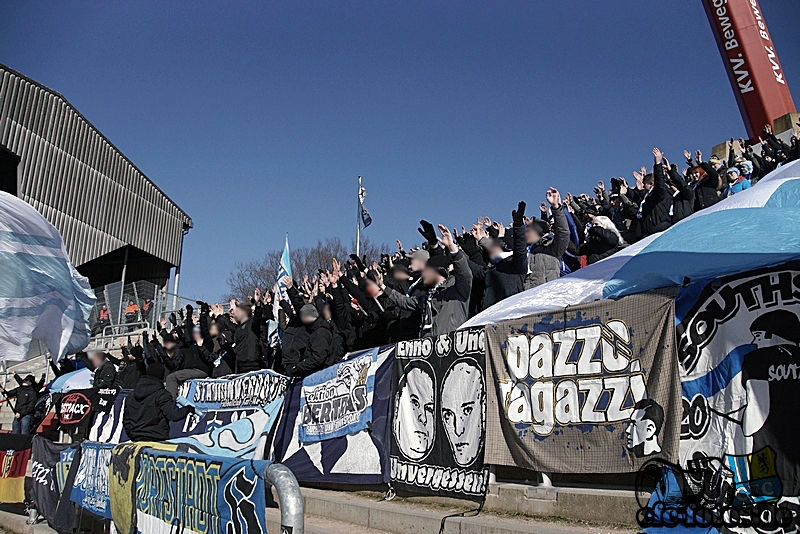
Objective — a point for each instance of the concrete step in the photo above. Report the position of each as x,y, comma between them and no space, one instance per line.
406,517
320,525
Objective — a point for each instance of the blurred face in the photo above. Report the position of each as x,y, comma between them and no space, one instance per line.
197,337
417,265
326,312
495,252
372,288
532,236
431,277
169,345
400,275
308,319
213,329
240,315
97,359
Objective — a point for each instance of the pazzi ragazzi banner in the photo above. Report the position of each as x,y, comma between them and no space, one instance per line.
589,389
739,353
439,415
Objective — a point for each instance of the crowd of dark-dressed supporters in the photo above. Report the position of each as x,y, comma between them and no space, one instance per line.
433,289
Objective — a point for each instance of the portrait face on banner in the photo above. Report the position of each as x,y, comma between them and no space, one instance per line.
439,416
463,405
414,424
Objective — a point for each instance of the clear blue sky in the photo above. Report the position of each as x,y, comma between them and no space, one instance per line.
256,117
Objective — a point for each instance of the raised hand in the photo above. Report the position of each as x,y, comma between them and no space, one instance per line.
657,155
257,295
478,232
399,245
447,239
501,230
287,281
428,232
687,155
518,215
553,197
601,185
698,156
337,267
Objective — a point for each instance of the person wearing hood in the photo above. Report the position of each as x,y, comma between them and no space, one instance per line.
654,209
545,251
196,358
736,182
445,303
150,408
26,394
506,275
322,350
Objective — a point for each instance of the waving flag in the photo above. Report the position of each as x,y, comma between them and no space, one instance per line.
366,219
42,296
758,227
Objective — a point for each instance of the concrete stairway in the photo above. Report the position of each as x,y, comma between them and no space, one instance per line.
329,512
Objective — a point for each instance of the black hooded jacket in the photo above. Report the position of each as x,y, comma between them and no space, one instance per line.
657,204
26,399
322,349
148,411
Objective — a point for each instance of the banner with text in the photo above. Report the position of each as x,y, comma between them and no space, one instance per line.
184,492
739,354
590,389
44,483
439,416
358,458
253,390
90,488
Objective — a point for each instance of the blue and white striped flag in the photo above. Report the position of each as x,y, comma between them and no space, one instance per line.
285,269
42,296
274,333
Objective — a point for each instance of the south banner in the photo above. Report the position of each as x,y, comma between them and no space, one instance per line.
44,482
15,451
739,353
590,389
192,493
244,438
253,390
357,458
337,401
90,488
439,415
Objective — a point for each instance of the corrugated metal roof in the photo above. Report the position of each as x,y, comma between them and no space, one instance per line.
96,197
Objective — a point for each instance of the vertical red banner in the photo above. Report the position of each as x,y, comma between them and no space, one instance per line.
751,61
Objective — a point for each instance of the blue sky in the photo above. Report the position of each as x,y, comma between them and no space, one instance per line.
256,117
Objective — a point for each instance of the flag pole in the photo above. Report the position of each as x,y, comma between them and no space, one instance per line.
358,220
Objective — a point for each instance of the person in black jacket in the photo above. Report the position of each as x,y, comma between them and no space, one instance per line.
704,180
682,195
105,373
194,361
150,408
321,349
247,335
506,275
654,208
26,394
602,240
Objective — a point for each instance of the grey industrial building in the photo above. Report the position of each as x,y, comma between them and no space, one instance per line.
112,217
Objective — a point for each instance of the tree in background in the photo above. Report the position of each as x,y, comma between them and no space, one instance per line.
306,261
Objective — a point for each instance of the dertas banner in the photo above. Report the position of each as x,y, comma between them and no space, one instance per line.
360,458
44,482
90,488
15,451
184,492
590,389
253,390
439,416
739,353
337,401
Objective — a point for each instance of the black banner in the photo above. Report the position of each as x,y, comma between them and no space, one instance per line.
76,408
439,416
44,482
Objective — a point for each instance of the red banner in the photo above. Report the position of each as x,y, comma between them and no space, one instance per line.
751,61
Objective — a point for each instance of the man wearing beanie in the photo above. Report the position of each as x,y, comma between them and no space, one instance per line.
445,303
321,349
150,408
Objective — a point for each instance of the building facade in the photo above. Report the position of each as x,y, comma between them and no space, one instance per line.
116,223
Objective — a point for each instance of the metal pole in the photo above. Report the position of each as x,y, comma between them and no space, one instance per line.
122,287
289,497
358,220
176,283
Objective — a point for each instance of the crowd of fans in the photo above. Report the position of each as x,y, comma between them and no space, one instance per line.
424,291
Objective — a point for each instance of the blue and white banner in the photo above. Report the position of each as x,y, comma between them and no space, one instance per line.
358,458
255,390
196,424
337,401
244,438
195,493
42,296
90,489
